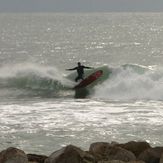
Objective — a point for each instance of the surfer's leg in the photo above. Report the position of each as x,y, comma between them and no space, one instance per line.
77,78
81,77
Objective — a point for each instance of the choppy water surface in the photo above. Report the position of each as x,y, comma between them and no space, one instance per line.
43,127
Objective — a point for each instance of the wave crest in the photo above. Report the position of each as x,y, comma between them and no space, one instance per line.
132,82
36,79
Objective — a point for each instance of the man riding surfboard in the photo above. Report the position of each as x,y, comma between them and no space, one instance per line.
80,70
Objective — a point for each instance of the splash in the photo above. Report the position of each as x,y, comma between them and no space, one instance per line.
33,78
132,82
128,82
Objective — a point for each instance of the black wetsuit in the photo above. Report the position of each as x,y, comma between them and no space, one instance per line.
80,71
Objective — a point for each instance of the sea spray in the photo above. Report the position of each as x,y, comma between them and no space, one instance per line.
132,83
27,77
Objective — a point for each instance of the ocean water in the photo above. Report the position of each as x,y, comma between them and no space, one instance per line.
39,110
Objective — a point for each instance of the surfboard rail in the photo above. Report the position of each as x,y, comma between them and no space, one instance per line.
90,79
106,71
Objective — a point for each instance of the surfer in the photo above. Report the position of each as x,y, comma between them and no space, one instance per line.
80,70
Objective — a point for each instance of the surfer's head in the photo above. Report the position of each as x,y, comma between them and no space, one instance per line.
79,64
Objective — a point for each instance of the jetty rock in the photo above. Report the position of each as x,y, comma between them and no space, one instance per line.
33,158
151,155
106,151
13,155
70,154
99,152
118,161
161,158
135,147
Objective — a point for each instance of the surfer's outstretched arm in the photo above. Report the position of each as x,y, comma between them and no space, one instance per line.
88,67
71,69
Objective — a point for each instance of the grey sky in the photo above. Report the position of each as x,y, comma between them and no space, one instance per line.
80,5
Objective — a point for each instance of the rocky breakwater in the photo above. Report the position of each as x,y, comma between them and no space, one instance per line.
99,152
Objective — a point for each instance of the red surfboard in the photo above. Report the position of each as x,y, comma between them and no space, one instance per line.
91,78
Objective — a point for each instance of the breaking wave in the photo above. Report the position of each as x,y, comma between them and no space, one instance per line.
127,82
33,80
132,82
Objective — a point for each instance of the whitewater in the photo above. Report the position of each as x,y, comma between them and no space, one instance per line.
39,111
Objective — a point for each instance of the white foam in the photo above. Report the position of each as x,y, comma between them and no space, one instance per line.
26,69
126,84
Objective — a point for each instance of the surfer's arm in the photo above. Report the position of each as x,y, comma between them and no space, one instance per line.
88,67
71,69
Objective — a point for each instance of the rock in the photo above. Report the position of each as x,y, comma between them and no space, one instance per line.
99,149
151,155
118,161
70,154
106,151
161,158
118,153
13,155
114,143
112,161
135,147
138,161
36,158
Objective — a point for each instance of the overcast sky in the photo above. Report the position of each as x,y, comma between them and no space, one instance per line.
80,5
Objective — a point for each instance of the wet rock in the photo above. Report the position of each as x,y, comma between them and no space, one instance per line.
161,158
114,143
135,147
118,153
70,154
112,161
99,150
36,158
13,155
151,155
106,151
137,161
118,161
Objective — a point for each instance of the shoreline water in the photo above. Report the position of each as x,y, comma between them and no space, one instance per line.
53,123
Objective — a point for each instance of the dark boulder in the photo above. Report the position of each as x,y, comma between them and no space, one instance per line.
151,155
70,154
118,161
106,151
135,147
36,158
99,150
13,155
